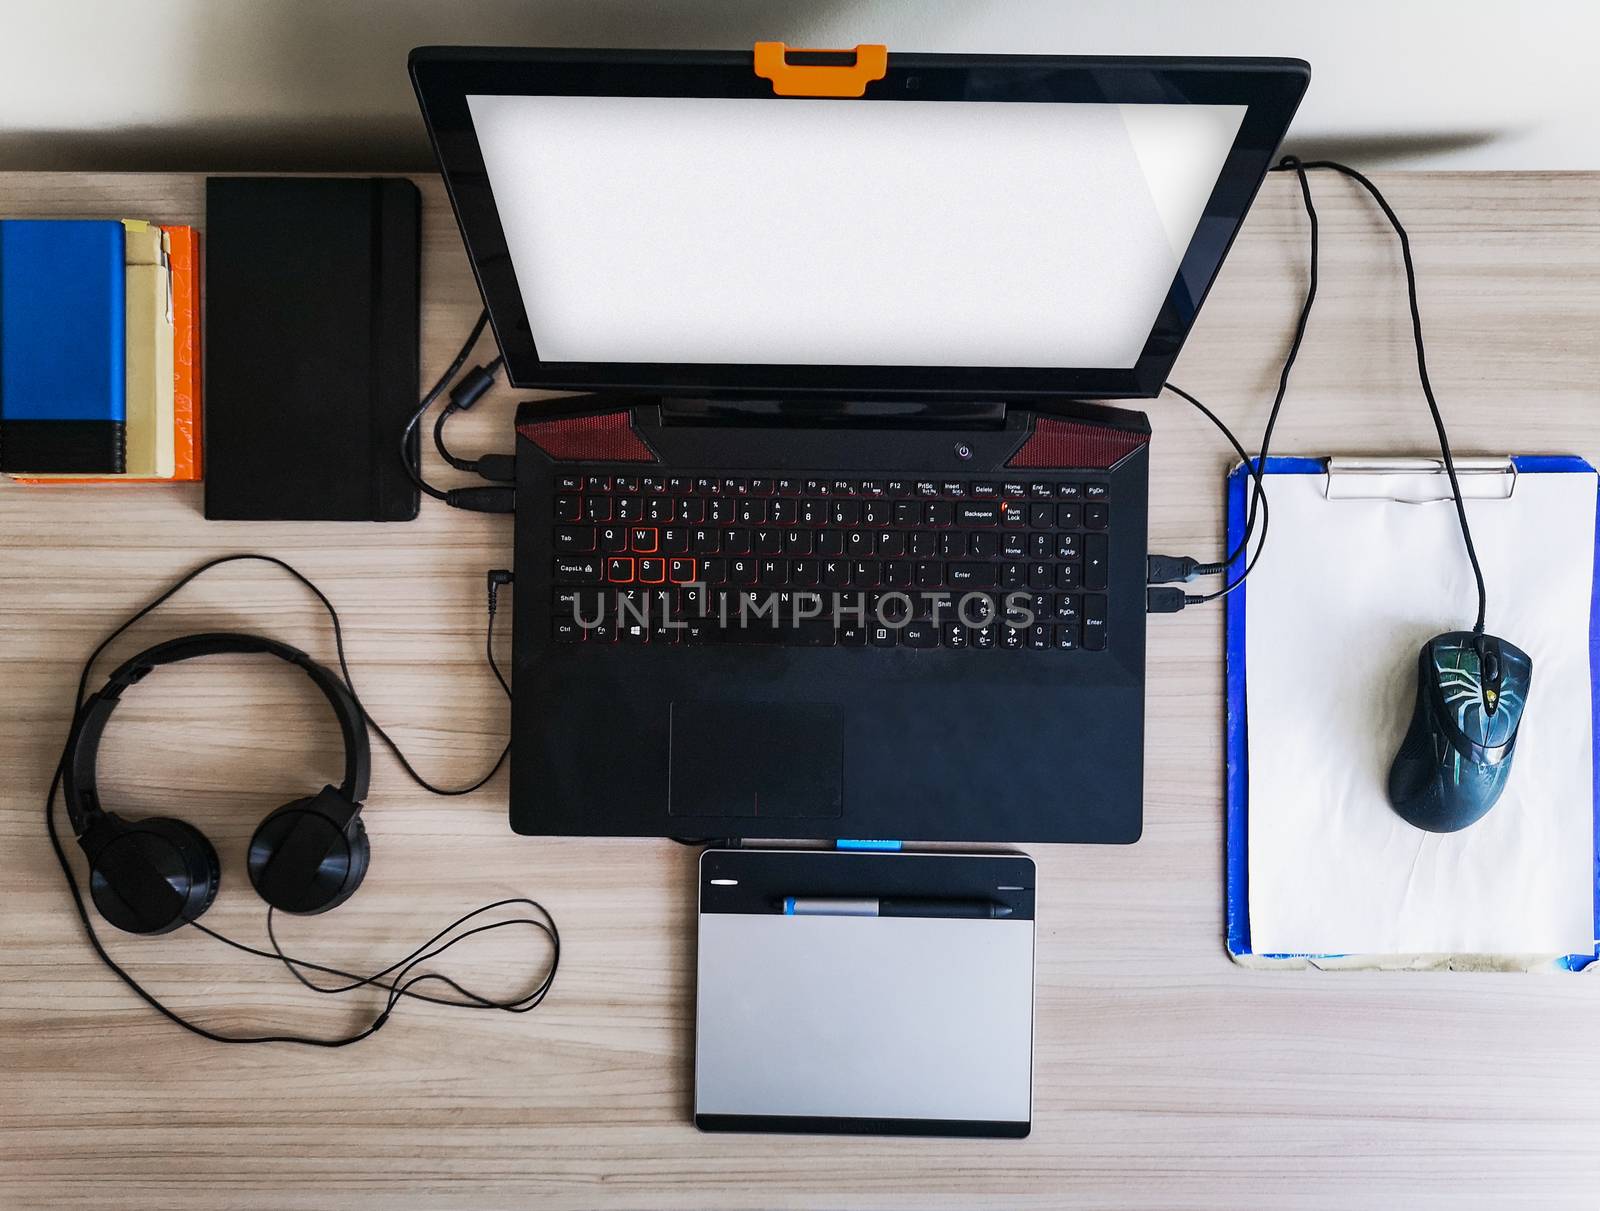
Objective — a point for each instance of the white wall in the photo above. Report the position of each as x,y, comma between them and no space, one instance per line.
288,84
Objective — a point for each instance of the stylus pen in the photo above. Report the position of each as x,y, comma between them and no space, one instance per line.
819,906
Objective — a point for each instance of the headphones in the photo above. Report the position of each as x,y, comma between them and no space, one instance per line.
153,875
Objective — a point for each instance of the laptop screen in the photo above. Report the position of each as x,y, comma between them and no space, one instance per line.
972,227
694,229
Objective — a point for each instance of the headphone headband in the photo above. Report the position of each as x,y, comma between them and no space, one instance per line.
83,746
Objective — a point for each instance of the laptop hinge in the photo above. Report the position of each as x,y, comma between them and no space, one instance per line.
836,414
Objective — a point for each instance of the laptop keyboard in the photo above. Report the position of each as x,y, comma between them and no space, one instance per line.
920,564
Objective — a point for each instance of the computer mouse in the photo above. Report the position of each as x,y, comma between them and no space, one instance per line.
1456,755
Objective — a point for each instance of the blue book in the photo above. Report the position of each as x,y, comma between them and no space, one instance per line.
63,346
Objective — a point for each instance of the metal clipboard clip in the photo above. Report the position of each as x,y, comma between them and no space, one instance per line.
1418,480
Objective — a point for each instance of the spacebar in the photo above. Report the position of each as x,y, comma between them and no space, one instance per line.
808,633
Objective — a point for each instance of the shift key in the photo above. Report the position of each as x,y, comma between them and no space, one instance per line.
576,570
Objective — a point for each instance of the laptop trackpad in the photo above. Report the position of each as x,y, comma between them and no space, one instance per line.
755,759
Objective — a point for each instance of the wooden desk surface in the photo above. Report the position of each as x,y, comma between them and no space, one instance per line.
1165,1076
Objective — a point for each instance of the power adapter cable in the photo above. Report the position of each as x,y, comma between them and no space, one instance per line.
474,384
482,500
413,469
470,390
498,468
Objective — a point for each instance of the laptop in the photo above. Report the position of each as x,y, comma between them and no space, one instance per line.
830,536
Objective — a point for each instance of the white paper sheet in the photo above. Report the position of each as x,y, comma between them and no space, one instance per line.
1339,606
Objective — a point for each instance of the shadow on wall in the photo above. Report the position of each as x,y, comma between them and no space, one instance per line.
1375,150
319,85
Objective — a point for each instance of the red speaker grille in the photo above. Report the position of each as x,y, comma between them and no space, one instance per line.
1066,443
608,438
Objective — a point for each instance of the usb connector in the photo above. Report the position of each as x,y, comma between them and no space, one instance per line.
1164,601
1167,569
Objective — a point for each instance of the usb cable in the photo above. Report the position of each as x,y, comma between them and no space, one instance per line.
492,499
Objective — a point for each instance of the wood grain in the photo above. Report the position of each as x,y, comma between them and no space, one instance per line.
1165,1076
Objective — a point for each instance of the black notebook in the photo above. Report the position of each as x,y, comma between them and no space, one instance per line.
312,317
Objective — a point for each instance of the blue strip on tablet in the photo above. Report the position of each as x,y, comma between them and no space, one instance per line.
847,843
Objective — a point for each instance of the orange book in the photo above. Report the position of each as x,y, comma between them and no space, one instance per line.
186,412
185,259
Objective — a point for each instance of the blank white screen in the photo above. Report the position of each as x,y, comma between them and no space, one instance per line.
684,229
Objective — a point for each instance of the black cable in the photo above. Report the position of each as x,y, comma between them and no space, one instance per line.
463,396
459,463
344,666
1422,365
1253,466
400,986
414,467
1258,494
394,748
404,983
469,999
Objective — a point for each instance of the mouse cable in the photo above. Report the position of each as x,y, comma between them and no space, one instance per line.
1161,568
1258,491
405,979
1164,569
1422,364
1300,168
476,499
1164,600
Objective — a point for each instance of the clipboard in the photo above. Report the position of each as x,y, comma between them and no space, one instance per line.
863,992
1344,478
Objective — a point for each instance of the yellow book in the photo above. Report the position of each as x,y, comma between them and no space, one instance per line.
150,437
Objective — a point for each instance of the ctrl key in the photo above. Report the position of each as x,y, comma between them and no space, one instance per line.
566,630
1094,622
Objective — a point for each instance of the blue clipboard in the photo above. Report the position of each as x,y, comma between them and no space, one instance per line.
1237,746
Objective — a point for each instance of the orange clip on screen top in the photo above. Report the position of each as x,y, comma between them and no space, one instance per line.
820,80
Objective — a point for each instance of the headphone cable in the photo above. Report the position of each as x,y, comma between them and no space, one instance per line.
404,983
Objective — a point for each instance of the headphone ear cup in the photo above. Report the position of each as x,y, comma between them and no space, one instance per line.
151,876
310,855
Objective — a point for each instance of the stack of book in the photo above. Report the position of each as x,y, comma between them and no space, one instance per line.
99,352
